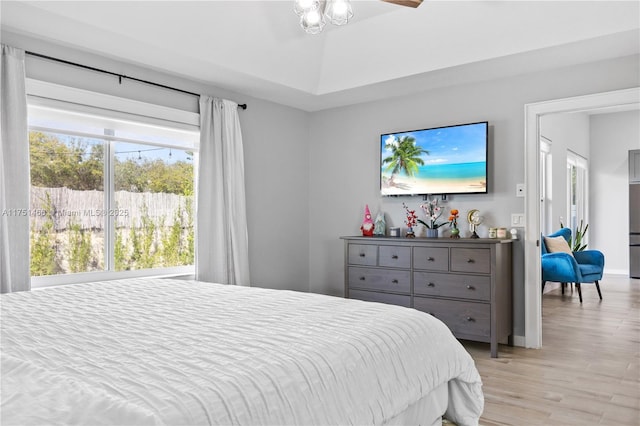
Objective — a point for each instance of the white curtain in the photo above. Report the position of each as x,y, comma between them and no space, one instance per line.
222,247
14,174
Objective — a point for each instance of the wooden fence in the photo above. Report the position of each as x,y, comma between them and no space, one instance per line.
86,208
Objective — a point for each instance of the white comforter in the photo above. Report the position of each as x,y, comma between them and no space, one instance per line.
173,352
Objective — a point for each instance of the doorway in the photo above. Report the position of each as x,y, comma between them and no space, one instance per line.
628,98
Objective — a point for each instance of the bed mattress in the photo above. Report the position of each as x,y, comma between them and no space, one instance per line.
175,352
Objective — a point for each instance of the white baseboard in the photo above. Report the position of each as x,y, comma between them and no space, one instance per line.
616,272
519,341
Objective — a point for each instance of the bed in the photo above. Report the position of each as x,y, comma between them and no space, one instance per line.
177,352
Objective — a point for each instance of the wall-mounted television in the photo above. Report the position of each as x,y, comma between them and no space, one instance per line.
440,160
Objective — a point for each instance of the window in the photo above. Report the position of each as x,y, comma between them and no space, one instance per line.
577,190
112,190
546,185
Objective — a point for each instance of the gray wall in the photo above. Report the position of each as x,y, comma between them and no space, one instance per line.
276,154
344,152
612,136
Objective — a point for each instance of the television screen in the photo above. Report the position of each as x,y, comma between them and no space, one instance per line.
442,160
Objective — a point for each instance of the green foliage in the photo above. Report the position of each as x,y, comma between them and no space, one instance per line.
76,164
576,241
154,176
79,252
43,244
187,254
120,252
405,156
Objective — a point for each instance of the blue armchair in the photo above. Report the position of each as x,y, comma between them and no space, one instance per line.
583,267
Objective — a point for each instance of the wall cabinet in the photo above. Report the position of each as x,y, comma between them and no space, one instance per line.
466,283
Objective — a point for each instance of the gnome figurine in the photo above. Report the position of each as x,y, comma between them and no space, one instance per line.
380,228
367,224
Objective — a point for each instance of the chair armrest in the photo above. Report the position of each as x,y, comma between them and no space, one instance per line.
591,257
560,267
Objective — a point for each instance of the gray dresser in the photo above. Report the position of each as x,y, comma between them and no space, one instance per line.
466,283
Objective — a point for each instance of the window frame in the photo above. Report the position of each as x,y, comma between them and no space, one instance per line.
83,101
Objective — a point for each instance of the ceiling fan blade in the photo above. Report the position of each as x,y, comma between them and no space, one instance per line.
409,3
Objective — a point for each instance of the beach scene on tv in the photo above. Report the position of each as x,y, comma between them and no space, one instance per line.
446,160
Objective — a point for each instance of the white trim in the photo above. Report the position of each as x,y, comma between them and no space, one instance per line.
87,277
533,112
519,341
122,107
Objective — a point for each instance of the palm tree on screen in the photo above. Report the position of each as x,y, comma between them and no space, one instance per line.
405,157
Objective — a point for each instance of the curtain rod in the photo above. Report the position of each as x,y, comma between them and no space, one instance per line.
120,76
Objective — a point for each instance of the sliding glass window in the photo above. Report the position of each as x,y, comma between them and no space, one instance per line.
112,195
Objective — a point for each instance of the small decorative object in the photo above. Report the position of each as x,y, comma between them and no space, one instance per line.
474,219
411,221
514,233
380,227
432,212
367,224
502,233
394,232
453,222
493,232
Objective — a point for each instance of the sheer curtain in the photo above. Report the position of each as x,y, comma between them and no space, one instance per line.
222,248
14,174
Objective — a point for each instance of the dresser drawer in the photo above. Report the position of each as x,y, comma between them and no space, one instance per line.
363,254
463,318
391,299
394,256
431,258
380,279
471,260
472,287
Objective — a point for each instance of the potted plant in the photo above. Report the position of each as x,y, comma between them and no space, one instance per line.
432,211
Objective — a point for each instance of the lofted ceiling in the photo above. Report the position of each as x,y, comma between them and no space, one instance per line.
257,47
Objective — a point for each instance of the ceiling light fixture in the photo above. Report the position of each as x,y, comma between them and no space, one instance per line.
312,13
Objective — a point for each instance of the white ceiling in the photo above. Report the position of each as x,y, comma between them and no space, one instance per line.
257,48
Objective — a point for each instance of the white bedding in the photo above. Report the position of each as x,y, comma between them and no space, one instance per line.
174,352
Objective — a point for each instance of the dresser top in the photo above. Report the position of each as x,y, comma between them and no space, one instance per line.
430,240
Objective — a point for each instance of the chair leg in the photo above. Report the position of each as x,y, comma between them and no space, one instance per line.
543,283
563,285
579,291
598,288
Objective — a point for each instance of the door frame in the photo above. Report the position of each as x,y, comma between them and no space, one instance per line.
628,98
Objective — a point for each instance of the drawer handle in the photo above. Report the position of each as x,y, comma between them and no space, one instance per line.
470,287
471,261
395,256
362,255
471,319
431,285
394,281
362,278
430,259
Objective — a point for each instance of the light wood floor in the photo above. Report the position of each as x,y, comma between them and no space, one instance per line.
588,370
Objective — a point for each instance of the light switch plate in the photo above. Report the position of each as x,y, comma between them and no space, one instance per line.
517,219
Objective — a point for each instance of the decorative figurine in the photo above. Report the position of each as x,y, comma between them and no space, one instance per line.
474,219
380,228
367,224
